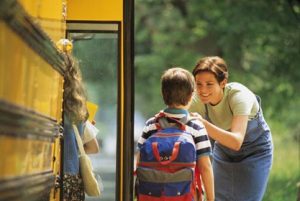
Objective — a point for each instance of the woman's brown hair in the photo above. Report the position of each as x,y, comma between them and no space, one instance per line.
213,64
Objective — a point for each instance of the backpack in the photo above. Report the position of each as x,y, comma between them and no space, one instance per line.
166,168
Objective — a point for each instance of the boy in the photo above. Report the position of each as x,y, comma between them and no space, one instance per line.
177,87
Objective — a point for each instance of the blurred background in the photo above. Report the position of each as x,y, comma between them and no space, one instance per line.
260,40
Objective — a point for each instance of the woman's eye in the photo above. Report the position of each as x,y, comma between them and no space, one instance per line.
205,85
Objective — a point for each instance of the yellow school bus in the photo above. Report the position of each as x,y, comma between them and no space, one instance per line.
31,92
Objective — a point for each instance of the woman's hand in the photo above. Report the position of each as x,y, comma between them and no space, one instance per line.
196,116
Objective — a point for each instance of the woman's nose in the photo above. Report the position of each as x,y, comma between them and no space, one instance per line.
202,89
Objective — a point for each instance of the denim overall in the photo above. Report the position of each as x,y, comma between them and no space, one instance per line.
242,175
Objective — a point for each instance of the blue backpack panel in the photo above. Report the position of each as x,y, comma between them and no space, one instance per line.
166,169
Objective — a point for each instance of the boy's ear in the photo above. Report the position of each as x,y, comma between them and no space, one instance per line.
223,83
190,100
190,97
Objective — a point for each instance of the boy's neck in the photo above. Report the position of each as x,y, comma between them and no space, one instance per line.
182,107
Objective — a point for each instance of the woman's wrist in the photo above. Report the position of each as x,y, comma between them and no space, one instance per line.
204,121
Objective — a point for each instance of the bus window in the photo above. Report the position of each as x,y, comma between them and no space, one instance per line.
97,47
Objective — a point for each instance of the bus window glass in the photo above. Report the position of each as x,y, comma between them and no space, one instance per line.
97,53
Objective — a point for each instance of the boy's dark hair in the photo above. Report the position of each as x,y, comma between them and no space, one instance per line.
177,86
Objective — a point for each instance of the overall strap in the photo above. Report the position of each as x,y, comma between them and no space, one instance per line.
259,106
206,114
259,102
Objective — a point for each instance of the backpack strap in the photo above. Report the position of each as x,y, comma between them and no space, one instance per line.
161,123
174,155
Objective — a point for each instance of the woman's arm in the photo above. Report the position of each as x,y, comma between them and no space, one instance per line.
91,147
207,176
232,139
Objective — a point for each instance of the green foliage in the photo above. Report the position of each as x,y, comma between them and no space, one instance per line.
285,172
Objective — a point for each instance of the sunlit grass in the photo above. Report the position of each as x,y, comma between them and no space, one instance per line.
285,172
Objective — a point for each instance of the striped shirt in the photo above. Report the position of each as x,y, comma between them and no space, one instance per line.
193,126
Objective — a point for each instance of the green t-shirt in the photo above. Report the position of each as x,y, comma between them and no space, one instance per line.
237,100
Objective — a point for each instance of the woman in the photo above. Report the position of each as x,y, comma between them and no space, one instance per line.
75,112
243,149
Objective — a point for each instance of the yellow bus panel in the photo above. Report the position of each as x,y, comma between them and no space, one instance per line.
49,9
111,10
32,83
31,92
26,156
49,14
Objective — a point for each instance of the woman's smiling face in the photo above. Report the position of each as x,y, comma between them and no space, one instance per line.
209,89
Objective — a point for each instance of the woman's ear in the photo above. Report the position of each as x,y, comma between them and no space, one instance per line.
223,83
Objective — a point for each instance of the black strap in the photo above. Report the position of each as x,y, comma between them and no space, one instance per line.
206,114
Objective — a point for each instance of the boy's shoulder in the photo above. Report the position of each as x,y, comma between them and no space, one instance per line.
195,123
151,120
